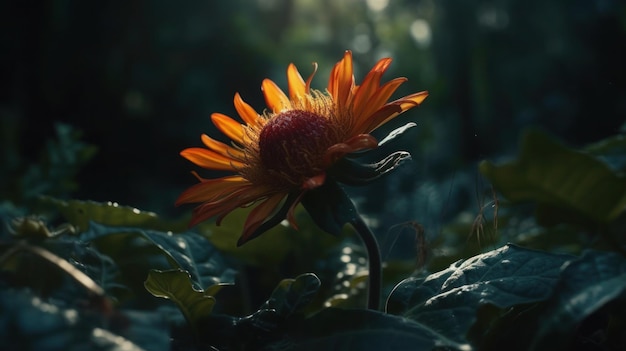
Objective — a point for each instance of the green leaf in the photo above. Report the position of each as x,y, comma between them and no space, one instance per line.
587,284
80,213
291,295
611,150
447,301
177,286
329,207
187,251
547,172
336,329
274,246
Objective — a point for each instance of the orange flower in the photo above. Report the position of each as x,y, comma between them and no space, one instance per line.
281,154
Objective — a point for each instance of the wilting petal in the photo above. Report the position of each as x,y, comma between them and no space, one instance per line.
393,109
210,159
245,111
221,148
228,126
356,143
259,215
211,189
275,99
307,86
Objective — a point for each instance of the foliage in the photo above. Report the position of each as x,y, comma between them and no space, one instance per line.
110,276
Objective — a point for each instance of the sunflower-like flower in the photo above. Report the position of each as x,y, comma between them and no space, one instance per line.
284,153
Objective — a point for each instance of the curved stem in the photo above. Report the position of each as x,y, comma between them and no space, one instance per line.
375,263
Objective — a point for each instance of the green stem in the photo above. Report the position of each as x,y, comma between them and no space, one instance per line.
375,264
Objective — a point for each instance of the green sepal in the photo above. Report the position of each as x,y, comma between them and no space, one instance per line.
351,172
330,207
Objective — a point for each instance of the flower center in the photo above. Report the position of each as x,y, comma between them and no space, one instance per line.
293,143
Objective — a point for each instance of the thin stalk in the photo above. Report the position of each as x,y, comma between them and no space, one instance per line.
375,263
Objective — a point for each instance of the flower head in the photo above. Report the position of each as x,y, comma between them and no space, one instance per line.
281,154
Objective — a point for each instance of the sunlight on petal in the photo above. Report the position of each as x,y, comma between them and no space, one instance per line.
275,99
228,126
210,159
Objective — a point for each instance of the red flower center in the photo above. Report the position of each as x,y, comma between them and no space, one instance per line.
293,143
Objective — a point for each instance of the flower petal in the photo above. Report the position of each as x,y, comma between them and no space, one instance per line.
221,207
374,103
341,81
369,86
275,99
211,189
393,109
356,143
210,159
245,111
228,126
259,215
307,87
297,87
221,148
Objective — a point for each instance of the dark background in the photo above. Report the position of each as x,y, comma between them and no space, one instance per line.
140,79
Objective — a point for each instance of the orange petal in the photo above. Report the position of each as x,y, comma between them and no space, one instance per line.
297,87
245,111
275,99
394,108
307,87
369,86
354,144
341,80
259,215
228,126
221,148
210,159
240,197
211,189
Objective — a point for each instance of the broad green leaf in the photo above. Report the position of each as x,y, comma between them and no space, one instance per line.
586,285
612,150
271,248
177,286
80,213
337,329
291,295
547,172
447,301
187,251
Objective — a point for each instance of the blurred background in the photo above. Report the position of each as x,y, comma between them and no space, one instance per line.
98,98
